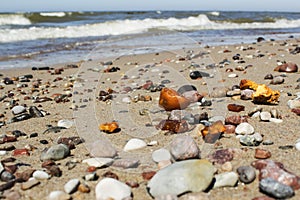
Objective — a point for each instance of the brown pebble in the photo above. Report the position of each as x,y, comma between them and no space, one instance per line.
287,67
132,184
21,152
29,184
262,153
148,175
25,175
54,170
91,169
235,119
230,129
235,107
11,168
84,188
296,111
263,198
110,174
174,126
47,163
9,139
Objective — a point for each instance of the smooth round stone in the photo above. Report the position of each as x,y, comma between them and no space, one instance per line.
58,195
3,152
71,186
161,155
246,94
109,188
247,174
65,123
126,163
184,147
232,75
293,103
7,176
297,145
91,176
232,93
275,188
265,116
18,110
181,177
102,148
40,175
244,128
258,137
55,152
134,144
226,179
98,162
275,120
277,80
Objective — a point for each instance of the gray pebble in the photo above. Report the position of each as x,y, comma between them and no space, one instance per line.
247,174
55,152
265,116
275,188
184,147
277,80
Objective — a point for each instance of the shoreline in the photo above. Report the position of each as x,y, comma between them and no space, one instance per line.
172,67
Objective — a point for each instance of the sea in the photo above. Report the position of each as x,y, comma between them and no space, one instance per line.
34,39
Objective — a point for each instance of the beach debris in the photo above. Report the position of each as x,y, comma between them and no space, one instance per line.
185,176
16,110
287,67
194,75
213,132
247,174
170,100
105,95
109,127
244,128
184,147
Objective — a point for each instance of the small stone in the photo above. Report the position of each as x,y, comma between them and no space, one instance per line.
40,175
235,107
7,176
91,176
29,184
221,156
65,123
293,103
98,162
58,195
296,111
55,152
275,189
277,80
275,120
71,186
126,163
18,110
249,140
268,76
184,147
109,188
232,93
246,94
265,116
194,176
103,149
232,76
20,152
25,175
227,167
148,175
262,154
247,174
134,144
244,129
297,145
235,119
268,142
161,155
84,188
226,179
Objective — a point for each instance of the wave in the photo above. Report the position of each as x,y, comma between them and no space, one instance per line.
119,27
14,19
53,14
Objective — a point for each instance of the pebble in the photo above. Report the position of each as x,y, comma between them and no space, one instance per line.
244,128
84,188
109,188
235,119
58,195
91,176
277,80
55,152
246,94
18,110
265,116
248,140
275,189
7,176
184,176
126,163
98,162
293,103
71,186
232,76
297,145
221,156
40,175
184,147
134,144
232,93
29,184
262,153
65,123
103,149
275,120
161,155
226,179
268,76
247,174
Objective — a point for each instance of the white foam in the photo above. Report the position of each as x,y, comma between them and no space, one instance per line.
119,27
53,14
17,19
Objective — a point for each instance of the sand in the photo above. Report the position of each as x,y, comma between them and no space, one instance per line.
91,113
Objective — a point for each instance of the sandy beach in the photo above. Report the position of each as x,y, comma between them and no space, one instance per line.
71,91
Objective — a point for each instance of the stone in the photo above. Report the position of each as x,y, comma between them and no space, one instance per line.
268,76
71,186
235,119
275,120
181,115
248,140
29,184
55,152
21,152
58,195
101,148
232,93
232,76
244,128
262,153
84,188
7,176
171,100
148,175
275,189
295,103
227,167
246,94
277,80
126,163
296,111
235,107
40,175
287,67
226,179
265,116
174,126
91,176
98,162
18,110
221,156
181,177
65,123
184,147
134,144
161,155
109,188
247,174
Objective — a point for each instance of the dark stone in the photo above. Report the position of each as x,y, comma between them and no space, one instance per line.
197,75
247,174
260,39
275,189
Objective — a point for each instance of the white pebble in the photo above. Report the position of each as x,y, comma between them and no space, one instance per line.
55,195
65,123
232,75
244,129
98,162
265,116
18,109
71,186
275,120
109,188
161,155
134,144
40,175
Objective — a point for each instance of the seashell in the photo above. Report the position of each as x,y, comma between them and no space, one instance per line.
109,127
287,67
170,100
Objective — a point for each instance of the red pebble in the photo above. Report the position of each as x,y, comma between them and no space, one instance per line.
262,154
19,152
235,107
91,169
148,175
296,111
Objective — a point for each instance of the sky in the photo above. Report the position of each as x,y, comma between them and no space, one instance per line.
133,5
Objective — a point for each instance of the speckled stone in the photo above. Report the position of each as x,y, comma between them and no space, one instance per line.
184,147
275,189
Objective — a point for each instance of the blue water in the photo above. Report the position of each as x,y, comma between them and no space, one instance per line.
39,39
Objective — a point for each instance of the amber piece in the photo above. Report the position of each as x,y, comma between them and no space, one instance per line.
235,107
109,127
170,100
247,84
263,95
212,133
174,126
